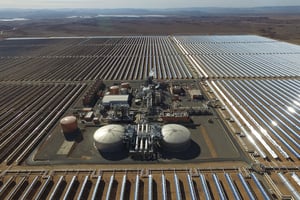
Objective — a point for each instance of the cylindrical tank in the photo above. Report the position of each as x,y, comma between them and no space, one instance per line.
125,85
109,139
69,124
124,91
176,138
176,90
114,90
157,98
176,97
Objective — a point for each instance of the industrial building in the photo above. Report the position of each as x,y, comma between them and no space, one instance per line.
149,117
195,94
111,100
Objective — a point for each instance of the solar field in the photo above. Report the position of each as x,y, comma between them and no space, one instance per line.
255,82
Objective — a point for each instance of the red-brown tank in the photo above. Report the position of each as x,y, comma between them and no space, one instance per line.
114,90
69,124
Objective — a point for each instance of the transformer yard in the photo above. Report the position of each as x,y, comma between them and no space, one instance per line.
149,117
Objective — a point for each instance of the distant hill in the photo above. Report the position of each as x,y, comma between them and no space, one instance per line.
62,13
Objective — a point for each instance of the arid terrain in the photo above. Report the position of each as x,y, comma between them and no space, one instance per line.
280,27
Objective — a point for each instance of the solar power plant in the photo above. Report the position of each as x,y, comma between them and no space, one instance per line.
69,104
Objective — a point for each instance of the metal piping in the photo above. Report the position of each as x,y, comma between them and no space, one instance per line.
205,187
296,178
35,180
70,187
191,187
39,195
219,187
16,189
61,179
123,187
232,187
6,184
137,185
177,185
83,187
246,187
111,181
260,187
164,187
289,186
150,189
96,188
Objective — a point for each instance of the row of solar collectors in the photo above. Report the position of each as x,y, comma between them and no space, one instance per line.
272,106
254,66
241,56
128,58
27,112
177,186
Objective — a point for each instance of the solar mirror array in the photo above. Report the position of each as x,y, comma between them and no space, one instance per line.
254,80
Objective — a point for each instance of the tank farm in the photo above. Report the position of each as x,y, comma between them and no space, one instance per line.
149,117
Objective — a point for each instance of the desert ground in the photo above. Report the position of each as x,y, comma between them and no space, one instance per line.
280,27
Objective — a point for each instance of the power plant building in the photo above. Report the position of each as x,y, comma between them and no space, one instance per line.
196,94
111,100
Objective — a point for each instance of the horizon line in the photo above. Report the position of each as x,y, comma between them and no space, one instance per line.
144,8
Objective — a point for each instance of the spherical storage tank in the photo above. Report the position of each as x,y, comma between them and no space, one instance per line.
175,137
109,138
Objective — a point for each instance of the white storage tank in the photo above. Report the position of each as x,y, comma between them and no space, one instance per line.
109,138
176,138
